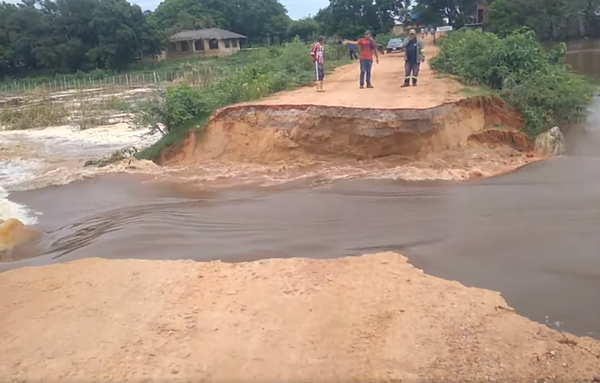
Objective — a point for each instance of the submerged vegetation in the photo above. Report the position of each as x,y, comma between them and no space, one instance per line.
516,67
182,107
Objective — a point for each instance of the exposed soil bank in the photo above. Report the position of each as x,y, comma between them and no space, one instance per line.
371,318
268,134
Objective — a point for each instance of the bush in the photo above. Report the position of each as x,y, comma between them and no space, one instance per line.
383,38
521,71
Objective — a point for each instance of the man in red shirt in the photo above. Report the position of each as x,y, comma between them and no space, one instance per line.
319,62
368,48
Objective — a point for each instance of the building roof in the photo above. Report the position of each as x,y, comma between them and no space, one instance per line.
208,33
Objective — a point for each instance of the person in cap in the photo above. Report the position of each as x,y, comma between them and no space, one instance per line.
413,56
368,48
319,62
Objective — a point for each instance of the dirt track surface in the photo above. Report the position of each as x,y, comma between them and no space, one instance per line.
341,87
370,318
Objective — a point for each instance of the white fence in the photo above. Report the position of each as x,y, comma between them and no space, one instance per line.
118,82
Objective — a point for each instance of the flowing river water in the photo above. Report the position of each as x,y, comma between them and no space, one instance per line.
532,234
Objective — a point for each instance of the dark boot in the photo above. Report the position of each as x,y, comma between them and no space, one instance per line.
369,86
406,83
414,82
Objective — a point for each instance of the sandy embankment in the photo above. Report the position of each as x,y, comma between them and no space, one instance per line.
370,318
432,129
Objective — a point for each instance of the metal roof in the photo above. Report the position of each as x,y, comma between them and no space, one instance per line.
207,34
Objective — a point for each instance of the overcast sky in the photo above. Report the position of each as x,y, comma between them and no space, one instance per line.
302,8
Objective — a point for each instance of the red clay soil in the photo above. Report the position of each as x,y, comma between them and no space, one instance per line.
342,88
363,319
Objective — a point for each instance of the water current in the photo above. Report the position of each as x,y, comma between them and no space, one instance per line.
533,234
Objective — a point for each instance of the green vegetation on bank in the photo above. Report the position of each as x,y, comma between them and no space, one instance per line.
517,68
181,108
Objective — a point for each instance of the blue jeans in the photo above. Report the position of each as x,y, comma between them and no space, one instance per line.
365,69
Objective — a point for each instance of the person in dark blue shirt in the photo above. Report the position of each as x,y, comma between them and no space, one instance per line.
413,56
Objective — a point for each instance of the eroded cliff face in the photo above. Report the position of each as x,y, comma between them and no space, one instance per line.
269,133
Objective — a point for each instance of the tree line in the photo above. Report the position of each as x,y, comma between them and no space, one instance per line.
549,19
45,37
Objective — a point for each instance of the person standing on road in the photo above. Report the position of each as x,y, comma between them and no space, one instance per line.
352,51
413,56
368,48
319,62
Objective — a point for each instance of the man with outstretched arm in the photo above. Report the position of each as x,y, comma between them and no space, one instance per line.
319,62
413,56
368,48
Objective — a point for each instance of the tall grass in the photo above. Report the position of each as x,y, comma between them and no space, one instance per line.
38,115
535,81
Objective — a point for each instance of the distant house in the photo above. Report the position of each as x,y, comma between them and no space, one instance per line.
204,42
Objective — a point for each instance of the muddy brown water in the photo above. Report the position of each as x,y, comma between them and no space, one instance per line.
533,235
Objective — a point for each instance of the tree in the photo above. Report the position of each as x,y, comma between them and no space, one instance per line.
306,29
427,15
351,18
252,18
548,18
63,36
458,12
175,16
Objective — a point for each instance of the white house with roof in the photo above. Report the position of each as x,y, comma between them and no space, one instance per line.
204,42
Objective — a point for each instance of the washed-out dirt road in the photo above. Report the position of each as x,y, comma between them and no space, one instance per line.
342,87
370,318
431,131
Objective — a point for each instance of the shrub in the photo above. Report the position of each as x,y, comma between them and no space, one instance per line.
521,71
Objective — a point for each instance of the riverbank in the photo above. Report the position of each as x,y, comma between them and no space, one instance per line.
370,318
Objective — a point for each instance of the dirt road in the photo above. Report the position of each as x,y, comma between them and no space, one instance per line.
342,87
371,318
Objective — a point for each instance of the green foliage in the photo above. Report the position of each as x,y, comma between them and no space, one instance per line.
427,14
517,67
351,18
383,38
259,20
306,29
458,12
181,108
177,134
68,35
548,18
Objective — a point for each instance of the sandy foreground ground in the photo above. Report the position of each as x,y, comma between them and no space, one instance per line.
341,87
370,318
